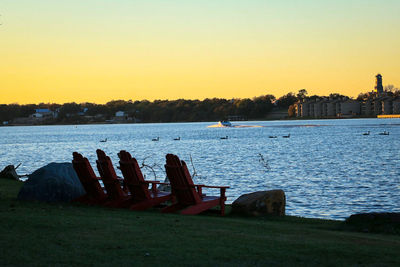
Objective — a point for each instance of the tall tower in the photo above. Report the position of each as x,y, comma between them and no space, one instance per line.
379,87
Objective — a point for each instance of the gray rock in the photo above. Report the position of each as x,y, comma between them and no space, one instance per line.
271,202
55,182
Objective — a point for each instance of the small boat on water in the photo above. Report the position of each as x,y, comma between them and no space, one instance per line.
286,136
177,139
155,139
224,137
272,136
367,133
103,141
225,123
384,133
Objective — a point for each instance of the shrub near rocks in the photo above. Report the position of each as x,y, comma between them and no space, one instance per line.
9,173
375,222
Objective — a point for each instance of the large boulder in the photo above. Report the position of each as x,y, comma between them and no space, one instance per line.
54,182
270,202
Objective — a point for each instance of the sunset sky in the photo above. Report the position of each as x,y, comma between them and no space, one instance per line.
98,50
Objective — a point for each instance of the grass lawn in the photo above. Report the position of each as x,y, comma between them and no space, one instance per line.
41,234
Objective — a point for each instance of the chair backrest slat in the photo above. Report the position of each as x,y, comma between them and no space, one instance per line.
133,176
87,176
181,180
108,175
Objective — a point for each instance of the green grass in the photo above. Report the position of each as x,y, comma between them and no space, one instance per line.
41,234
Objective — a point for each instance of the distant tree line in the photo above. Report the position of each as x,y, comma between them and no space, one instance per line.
180,110
390,90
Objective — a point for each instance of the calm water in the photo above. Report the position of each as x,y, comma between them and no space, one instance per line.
327,168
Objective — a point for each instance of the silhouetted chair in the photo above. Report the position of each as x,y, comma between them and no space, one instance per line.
142,197
117,197
189,197
94,192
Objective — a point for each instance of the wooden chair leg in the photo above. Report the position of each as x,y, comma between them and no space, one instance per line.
222,201
222,205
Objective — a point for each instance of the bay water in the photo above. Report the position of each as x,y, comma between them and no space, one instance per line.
327,168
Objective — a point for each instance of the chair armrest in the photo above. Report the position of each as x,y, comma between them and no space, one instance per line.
118,178
153,185
215,186
155,182
164,183
222,190
149,181
197,185
199,188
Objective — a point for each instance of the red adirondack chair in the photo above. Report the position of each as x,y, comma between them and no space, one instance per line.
117,197
94,192
142,197
189,197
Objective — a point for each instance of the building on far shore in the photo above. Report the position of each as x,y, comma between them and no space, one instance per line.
379,86
332,108
122,116
380,104
44,113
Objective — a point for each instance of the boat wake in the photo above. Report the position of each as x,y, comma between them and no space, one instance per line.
234,126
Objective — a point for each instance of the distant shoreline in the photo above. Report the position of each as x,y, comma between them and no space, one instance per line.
282,119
